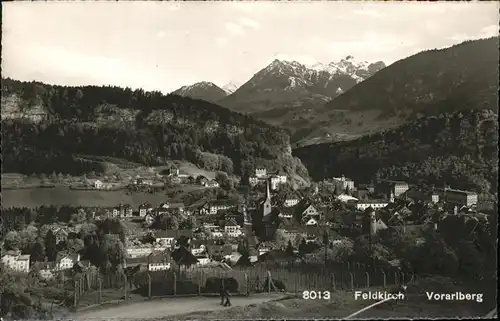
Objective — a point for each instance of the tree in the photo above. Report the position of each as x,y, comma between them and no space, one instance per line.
289,249
303,247
113,250
174,223
224,181
12,241
242,249
51,246
37,252
326,241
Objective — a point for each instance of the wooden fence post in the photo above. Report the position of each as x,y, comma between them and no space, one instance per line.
333,281
149,286
352,281
75,298
384,279
341,279
296,281
402,277
198,281
395,278
348,266
246,284
99,290
367,279
126,287
268,282
175,283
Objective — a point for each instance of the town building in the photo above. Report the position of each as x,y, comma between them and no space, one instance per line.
159,261
144,209
15,261
232,229
376,204
345,183
291,199
65,262
98,184
219,205
261,172
458,197
389,186
61,235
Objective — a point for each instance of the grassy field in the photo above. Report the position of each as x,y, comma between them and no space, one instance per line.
60,195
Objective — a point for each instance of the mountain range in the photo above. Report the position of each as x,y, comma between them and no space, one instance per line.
284,85
347,99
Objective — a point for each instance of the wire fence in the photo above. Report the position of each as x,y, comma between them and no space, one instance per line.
93,288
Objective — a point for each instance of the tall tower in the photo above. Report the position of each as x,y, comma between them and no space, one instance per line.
373,223
266,205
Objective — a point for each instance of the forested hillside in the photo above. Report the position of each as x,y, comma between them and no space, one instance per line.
459,149
45,128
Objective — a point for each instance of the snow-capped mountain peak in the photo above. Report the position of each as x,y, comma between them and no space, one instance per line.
202,90
230,88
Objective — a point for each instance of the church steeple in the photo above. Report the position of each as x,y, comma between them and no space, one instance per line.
266,205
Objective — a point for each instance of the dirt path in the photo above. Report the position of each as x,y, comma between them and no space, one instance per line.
170,307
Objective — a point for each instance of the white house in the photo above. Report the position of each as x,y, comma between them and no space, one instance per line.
158,262
66,262
216,234
373,204
140,251
221,205
275,181
291,200
145,209
97,184
253,180
17,262
261,172
232,229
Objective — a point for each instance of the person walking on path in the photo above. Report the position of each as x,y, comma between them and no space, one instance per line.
227,295
222,293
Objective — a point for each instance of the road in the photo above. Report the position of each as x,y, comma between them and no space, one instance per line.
170,307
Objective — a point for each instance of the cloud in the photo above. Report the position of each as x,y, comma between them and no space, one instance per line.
235,29
247,22
221,41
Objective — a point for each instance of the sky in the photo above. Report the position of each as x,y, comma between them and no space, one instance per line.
166,45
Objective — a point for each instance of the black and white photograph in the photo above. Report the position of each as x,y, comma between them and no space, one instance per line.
249,160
